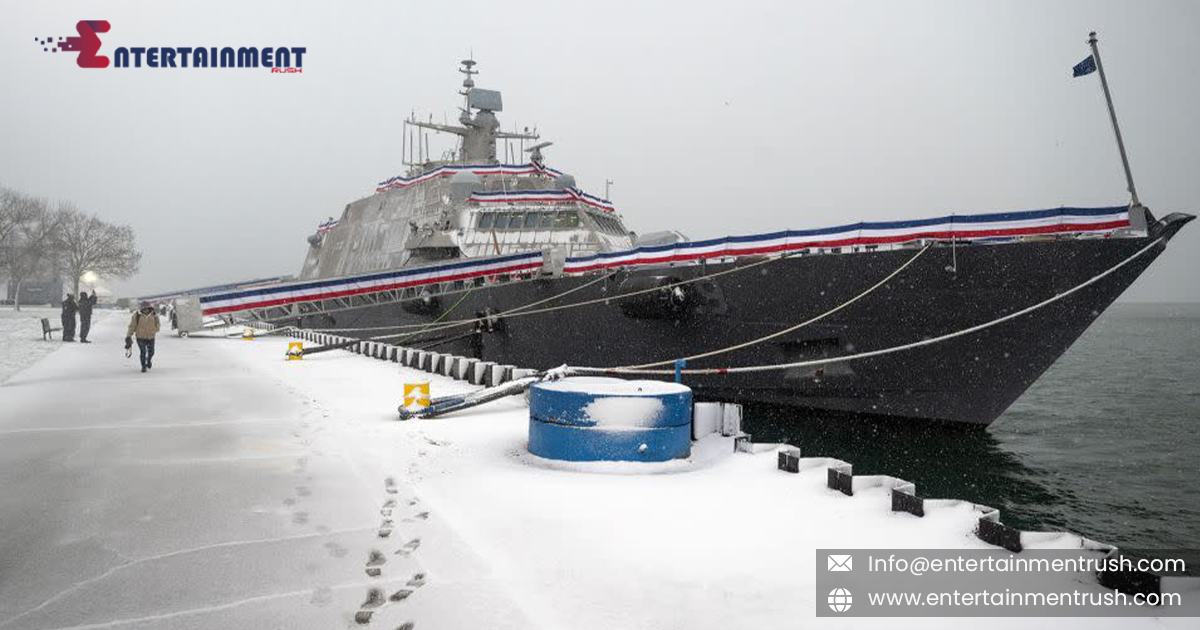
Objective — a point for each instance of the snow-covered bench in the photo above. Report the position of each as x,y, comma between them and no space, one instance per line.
47,331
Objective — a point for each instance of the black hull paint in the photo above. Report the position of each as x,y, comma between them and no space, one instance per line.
971,379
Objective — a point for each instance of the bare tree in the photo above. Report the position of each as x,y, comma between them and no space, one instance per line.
86,243
16,211
32,247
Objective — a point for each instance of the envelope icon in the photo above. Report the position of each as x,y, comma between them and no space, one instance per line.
840,562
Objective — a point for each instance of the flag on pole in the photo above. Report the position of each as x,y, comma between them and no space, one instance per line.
1087,66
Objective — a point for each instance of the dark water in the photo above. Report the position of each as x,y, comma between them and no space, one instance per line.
1106,444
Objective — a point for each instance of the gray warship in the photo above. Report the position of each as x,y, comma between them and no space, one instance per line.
606,296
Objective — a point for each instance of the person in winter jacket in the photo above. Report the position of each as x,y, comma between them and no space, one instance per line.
85,314
144,326
68,318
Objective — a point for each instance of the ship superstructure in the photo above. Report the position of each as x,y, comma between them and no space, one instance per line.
467,204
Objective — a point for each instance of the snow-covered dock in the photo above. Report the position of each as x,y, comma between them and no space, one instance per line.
229,488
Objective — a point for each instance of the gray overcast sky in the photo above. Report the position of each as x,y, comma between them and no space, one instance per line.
713,118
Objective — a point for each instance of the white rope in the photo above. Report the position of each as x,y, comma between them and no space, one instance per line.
464,321
520,312
790,329
875,353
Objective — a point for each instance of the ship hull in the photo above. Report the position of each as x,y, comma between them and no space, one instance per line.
970,379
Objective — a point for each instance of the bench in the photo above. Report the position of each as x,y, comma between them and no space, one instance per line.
47,331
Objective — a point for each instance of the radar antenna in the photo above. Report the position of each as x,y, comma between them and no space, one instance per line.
535,151
478,129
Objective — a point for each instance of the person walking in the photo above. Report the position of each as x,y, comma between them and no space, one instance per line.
68,318
144,326
85,314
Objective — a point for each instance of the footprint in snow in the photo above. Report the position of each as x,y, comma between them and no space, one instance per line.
409,547
322,597
375,558
336,550
300,518
375,598
389,485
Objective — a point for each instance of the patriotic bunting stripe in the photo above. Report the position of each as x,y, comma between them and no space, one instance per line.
326,226
308,291
531,168
965,227
542,196
980,227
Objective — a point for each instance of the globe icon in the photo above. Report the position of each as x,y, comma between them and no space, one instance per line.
839,600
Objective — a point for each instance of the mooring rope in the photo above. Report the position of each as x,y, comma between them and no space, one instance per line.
883,351
790,329
461,321
519,312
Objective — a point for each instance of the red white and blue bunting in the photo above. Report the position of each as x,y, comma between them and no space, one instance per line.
978,227
328,225
530,168
515,196
312,290
565,195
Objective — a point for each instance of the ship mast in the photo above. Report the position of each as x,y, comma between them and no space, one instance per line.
1112,113
478,129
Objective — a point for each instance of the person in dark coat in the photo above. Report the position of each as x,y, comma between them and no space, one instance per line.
68,318
85,314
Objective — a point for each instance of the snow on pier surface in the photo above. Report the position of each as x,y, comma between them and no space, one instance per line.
228,488
21,342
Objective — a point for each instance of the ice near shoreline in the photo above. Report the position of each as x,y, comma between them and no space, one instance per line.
229,488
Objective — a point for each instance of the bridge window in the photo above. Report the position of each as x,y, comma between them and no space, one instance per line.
547,220
501,221
567,219
485,220
532,220
515,220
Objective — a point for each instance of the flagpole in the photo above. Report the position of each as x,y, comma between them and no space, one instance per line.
1113,114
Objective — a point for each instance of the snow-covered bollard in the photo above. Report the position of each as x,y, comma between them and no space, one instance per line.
482,369
609,419
466,367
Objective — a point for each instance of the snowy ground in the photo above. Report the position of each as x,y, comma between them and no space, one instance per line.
228,488
21,342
